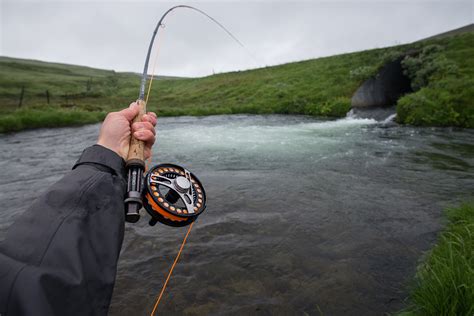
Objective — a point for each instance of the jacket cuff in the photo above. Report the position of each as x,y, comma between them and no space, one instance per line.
104,157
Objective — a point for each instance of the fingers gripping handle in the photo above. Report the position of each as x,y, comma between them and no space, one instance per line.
135,167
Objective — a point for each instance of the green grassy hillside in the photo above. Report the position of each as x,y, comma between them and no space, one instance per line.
321,87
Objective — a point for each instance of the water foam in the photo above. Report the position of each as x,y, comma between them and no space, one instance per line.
381,115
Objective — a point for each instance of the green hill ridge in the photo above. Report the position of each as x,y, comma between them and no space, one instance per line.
40,94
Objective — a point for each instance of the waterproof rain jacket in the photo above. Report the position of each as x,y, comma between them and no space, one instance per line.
60,257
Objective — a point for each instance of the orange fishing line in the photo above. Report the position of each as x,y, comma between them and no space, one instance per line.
155,59
153,70
149,163
171,270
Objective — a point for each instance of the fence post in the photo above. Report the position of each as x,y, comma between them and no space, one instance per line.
22,93
89,84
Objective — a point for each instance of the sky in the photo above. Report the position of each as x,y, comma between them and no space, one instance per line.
115,34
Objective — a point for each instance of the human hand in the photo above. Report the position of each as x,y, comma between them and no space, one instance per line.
117,128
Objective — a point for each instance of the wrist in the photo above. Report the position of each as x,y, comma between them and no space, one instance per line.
115,149
101,155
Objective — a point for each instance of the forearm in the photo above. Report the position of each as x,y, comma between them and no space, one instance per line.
67,243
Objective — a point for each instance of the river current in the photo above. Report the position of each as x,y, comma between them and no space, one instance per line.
304,216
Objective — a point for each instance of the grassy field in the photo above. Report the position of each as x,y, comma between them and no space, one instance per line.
444,283
35,94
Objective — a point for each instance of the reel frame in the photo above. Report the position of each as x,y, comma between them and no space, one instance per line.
172,195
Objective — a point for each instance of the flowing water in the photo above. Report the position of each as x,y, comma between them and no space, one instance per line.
304,216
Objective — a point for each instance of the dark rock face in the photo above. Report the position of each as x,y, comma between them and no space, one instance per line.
384,89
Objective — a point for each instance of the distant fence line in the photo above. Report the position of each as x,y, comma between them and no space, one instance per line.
26,97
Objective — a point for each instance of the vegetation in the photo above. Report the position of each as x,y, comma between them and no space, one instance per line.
32,92
443,80
47,117
444,283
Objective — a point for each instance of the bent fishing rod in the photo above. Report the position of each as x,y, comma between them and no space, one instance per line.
169,193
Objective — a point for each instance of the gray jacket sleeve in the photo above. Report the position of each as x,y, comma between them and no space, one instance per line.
60,257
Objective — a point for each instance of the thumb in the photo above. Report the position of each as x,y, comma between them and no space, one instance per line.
130,112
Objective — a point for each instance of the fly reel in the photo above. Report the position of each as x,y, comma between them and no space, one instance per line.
172,195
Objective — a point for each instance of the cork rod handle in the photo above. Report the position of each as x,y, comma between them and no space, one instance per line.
137,147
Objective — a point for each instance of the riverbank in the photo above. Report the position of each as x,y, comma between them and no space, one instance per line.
48,117
444,283
442,79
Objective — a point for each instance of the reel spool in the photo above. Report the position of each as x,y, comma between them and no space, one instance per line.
173,195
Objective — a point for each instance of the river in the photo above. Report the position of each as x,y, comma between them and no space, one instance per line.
304,215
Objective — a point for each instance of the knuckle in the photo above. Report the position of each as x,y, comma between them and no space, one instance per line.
149,119
135,127
147,125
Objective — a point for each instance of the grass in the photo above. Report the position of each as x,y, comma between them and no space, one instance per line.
446,96
444,283
47,117
319,87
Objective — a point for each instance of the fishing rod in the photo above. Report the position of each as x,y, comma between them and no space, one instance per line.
169,193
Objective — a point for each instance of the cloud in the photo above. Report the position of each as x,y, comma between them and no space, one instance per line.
115,35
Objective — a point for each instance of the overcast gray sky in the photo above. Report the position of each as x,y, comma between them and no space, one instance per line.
115,34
